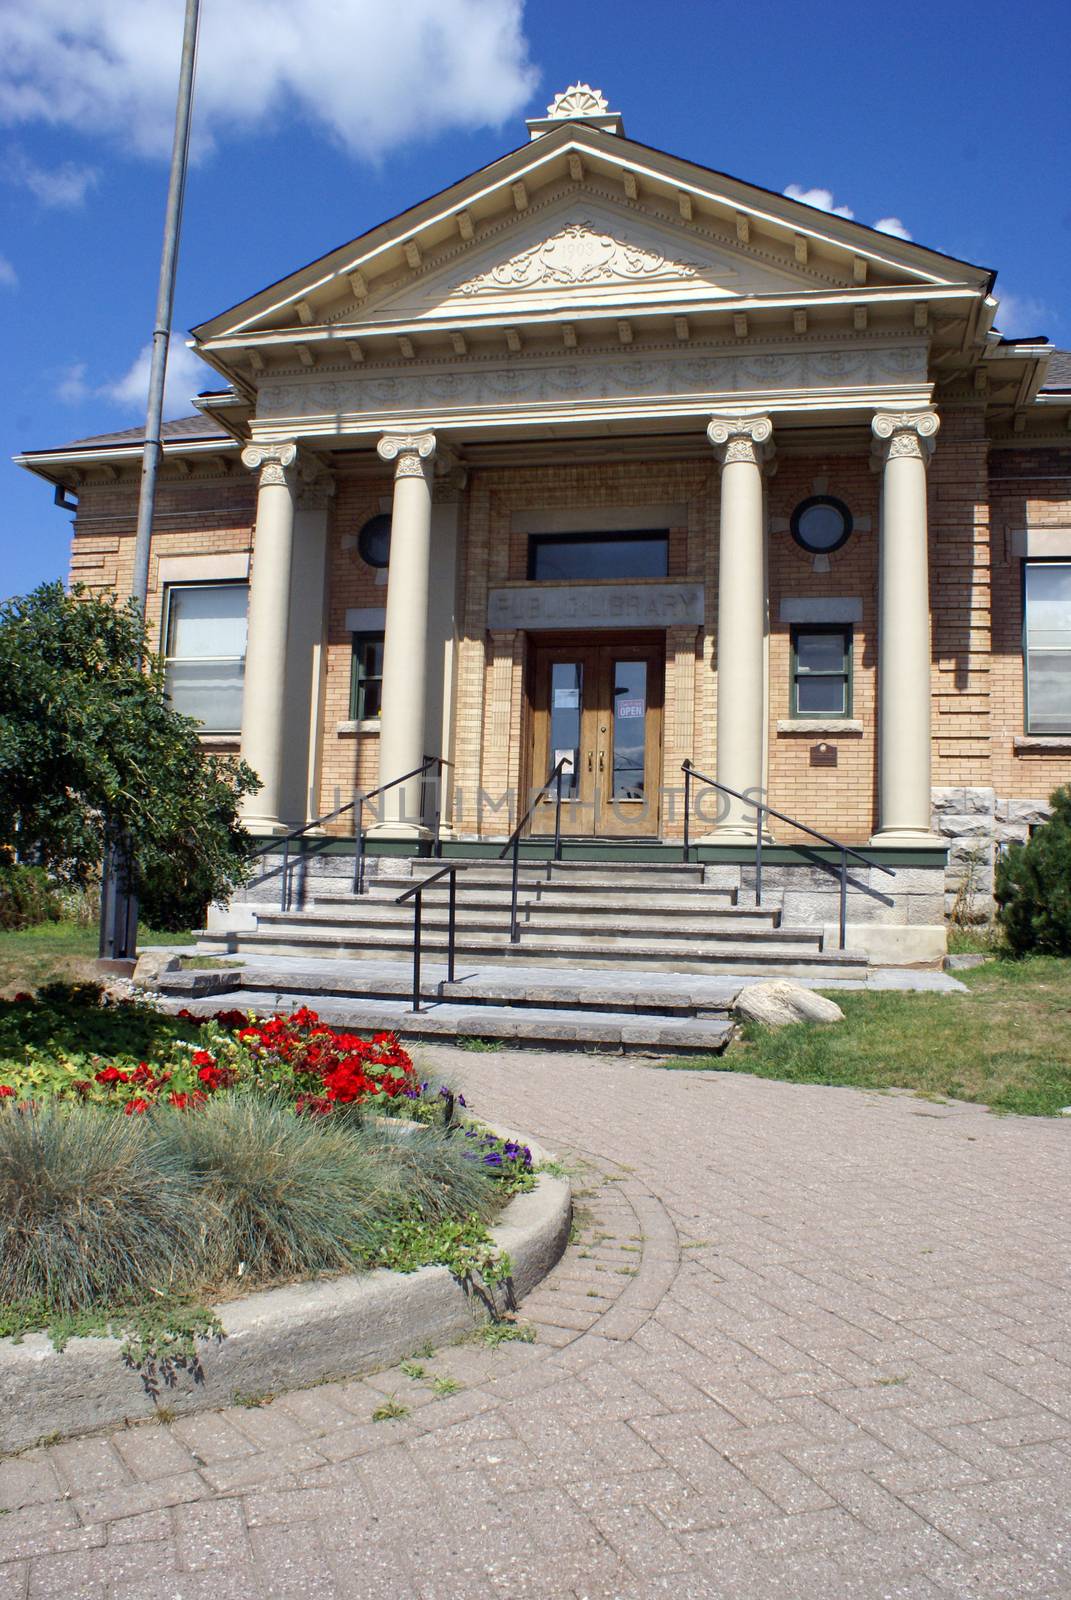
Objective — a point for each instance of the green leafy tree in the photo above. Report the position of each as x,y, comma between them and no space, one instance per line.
88,742
1033,886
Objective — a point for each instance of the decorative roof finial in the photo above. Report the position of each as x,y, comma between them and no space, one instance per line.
579,103
579,100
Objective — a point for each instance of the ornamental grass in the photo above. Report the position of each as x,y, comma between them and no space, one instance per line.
91,1212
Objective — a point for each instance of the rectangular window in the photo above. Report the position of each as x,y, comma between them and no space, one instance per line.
366,678
821,671
561,557
204,652
1047,646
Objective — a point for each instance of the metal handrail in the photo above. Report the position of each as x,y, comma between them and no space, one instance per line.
845,850
358,802
514,842
416,890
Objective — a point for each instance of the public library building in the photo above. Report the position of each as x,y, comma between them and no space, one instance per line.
603,461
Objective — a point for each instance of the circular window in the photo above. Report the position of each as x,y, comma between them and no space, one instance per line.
821,524
373,541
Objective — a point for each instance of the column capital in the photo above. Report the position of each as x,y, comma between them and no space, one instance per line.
905,433
271,461
410,450
741,439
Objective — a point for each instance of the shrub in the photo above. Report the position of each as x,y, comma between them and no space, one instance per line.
1033,886
27,897
91,1212
276,1195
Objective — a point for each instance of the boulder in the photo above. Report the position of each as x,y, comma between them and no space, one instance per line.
151,966
778,1002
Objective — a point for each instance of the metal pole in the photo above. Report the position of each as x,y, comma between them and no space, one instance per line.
451,929
417,918
687,809
283,896
118,933
514,935
358,848
843,898
558,819
758,857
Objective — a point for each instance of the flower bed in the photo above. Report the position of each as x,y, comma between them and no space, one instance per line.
148,1163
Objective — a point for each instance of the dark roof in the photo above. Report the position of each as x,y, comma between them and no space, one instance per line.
1059,373
195,427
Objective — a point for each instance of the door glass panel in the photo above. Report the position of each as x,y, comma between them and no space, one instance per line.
630,729
566,705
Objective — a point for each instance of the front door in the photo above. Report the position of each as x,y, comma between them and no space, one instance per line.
600,707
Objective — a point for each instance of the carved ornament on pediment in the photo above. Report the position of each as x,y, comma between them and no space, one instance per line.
579,100
578,254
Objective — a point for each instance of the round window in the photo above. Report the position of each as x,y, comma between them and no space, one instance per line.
821,524
373,541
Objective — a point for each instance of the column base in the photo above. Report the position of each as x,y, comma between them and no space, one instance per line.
731,834
265,827
413,831
907,838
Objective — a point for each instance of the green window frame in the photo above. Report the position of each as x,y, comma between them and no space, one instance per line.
1046,601
366,677
821,666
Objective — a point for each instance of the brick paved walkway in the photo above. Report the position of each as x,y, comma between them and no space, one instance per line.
811,1342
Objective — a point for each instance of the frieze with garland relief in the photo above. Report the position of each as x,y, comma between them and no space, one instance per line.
594,380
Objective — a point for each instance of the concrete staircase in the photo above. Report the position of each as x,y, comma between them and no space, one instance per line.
625,916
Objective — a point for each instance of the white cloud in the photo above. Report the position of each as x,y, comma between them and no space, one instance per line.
186,375
821,199
370,75
65,185
1020,315
9,278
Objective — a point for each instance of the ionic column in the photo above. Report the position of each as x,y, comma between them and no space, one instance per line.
405,638
742,445
905,440
264,695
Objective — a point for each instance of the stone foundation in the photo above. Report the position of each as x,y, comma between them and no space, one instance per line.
978,824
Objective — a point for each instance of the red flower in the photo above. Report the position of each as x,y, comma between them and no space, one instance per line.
232,1019
111,1075
136,1107
23,999
6,1092
201,1058
80,1086
182,1101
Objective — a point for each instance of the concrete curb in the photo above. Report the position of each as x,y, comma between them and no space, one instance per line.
281,1338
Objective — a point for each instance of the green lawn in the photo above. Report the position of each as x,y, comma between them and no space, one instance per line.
59,950
1006,1043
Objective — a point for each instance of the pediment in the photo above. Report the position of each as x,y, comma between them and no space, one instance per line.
583,252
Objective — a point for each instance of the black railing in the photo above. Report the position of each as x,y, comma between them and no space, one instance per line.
416,894
691,774
357,805
514,841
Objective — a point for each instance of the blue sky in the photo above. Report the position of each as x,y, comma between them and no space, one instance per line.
316,119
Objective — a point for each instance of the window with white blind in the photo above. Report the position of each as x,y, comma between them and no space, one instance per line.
204,652
1047,646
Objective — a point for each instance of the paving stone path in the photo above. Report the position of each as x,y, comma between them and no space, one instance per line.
809,1342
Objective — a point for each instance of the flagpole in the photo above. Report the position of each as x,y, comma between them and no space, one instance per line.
119,911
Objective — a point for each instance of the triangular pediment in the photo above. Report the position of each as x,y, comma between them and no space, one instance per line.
583,251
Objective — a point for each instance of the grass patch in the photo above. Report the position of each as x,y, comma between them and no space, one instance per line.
1005,1044
506,1331
58,950
391,1410
478,1046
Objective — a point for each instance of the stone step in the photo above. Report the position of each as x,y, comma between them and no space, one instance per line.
374,980
537,927
638,1032
571,898
771,958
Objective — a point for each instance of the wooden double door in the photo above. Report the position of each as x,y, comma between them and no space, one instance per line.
599,705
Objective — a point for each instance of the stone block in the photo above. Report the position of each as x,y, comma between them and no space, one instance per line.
1024,812
969,825
780,1002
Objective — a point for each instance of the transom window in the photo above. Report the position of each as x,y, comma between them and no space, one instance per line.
366,678
1047,646
821,671
204,652
561,557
